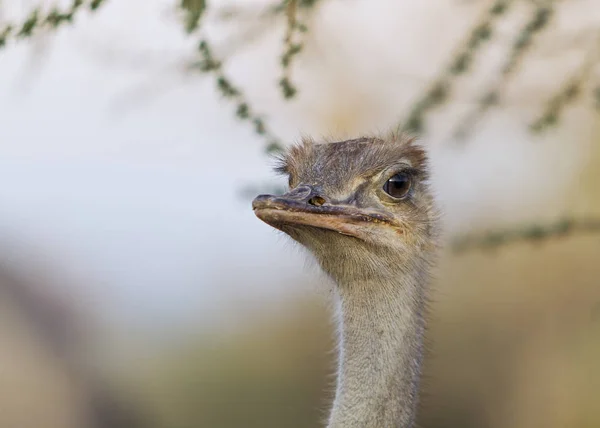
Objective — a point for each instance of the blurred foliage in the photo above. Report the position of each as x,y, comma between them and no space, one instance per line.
193,10
209,64
295,14
534,233
292,48
38,20
459,64
524,40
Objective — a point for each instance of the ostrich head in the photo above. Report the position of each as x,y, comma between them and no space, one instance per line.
362,206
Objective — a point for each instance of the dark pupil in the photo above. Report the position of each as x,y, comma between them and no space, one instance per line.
397,186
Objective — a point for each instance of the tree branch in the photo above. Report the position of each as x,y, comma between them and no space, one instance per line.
569,91
291,48
441,88
534,233
522,43
209,64
37,22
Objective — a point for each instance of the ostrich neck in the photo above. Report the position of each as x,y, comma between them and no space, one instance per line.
380,345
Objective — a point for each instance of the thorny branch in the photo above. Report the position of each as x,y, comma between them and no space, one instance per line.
38,21
524,40
534,233
569,91
292,49
209,64
440,89
439,92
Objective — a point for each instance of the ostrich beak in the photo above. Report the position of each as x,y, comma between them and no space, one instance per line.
301,207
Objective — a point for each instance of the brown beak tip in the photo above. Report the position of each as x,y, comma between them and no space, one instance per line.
261,201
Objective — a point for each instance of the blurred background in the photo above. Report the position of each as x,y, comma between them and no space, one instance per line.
137,289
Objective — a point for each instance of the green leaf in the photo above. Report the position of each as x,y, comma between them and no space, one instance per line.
95,4
243,111
194,9
29,25
288,90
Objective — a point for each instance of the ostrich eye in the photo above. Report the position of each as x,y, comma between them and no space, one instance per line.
398,185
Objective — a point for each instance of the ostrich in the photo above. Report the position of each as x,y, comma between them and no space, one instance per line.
364,209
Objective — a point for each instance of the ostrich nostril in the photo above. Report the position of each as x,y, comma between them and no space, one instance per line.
316,201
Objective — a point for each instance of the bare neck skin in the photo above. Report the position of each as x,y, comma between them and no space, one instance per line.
380,345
